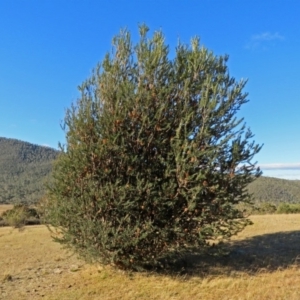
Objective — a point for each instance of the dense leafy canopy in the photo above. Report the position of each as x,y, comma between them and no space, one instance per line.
155,159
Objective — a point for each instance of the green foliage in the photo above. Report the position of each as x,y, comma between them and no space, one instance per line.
24,169
19,216
285,208
155,160
264,208
267,208
16,217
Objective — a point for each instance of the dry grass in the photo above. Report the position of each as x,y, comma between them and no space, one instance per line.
4,207
263,263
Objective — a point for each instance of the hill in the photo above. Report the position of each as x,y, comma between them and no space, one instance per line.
24,169
275,190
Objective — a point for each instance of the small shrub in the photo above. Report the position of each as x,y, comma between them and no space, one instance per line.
19,216
257,209
285,208
267,208
16,217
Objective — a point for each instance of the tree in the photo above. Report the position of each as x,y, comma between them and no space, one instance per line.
155,159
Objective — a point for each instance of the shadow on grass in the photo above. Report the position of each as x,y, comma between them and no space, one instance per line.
267,252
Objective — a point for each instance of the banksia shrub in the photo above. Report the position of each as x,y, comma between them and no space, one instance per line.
155,159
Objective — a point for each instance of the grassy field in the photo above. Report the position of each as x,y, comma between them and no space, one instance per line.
263,263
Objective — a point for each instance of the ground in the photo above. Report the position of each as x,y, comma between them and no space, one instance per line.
262,263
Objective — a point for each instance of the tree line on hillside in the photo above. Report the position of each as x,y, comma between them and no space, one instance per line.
275,190
24,170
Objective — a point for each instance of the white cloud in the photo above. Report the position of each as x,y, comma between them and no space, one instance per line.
267,36
264,40
289,171
283,174
280,166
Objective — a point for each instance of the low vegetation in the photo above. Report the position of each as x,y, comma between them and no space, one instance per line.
285,208
19,215
262,262
262,208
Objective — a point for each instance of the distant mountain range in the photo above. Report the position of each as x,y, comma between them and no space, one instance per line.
24,169
275,190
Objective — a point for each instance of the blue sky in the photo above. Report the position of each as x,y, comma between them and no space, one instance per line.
48,47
